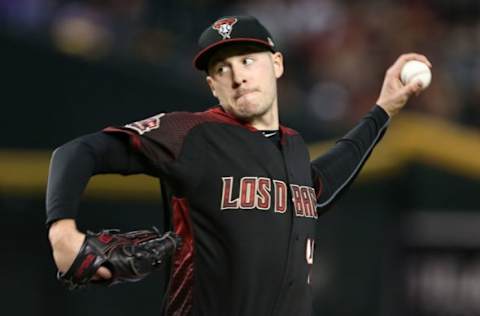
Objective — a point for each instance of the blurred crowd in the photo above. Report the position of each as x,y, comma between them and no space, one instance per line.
336,51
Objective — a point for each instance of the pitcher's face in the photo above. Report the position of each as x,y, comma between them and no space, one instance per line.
244,80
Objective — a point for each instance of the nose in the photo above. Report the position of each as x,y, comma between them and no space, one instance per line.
239,75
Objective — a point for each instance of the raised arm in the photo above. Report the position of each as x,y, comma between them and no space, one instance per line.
335,171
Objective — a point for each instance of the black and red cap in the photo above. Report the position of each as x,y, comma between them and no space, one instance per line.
231,29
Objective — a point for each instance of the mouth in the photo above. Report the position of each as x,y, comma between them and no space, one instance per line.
243,92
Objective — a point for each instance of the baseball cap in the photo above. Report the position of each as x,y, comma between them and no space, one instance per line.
228,30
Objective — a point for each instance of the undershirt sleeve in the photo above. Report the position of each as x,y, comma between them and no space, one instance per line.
334,171
73,163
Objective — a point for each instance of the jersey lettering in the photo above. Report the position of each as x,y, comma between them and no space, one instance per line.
227,202
263,193
304,201
313,201
297,200
307,205
258,193
254,193
248,191
280,196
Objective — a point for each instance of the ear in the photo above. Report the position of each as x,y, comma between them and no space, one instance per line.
277,59
211,85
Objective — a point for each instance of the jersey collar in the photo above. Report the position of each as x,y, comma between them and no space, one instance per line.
226,117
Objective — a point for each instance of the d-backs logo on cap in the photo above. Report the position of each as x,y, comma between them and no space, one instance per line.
224,26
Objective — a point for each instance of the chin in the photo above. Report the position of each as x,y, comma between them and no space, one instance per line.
251,115
243,116
247,111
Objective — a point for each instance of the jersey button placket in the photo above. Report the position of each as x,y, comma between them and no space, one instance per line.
287,277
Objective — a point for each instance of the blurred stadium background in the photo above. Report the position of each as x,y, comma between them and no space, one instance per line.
405,240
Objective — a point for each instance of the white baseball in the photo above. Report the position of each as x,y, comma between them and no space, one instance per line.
415,70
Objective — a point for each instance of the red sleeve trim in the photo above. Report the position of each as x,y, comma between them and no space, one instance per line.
134,138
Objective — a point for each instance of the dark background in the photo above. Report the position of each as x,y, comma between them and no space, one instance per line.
402,241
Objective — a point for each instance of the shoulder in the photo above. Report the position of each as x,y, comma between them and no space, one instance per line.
287,131
181,121
178,120
292,137
162,132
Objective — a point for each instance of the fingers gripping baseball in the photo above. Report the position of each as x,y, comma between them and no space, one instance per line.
394,93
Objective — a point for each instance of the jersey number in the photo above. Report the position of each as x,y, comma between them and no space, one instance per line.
310,248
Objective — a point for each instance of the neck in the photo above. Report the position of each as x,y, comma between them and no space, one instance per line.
268,121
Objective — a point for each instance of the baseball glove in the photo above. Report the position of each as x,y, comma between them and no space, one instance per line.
130,256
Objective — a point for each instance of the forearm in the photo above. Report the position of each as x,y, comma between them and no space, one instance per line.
335,170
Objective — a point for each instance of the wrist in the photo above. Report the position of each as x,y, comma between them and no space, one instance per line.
62,228
388,111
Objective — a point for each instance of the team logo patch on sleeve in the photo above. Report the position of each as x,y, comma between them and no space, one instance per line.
146,125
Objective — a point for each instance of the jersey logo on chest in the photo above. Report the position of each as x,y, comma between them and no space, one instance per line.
264,194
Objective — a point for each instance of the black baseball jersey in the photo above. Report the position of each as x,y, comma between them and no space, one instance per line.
245,207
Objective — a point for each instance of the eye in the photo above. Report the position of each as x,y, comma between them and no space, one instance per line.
221,69
248,61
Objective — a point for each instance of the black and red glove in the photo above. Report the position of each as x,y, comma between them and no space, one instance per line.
130,256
